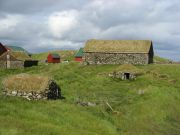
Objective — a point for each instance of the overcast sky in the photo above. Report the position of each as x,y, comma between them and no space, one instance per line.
42,25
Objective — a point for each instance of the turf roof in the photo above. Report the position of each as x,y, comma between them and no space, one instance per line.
55,55
17,49
18,55
128,68
118,46
26,83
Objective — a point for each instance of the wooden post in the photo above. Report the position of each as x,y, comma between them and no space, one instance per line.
8,63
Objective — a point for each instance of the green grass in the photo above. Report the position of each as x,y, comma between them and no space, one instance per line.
161,60
156,112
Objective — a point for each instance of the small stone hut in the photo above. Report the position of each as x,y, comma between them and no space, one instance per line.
11,59
126,72
31,87
138,52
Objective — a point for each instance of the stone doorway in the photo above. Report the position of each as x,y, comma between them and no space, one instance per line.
126,76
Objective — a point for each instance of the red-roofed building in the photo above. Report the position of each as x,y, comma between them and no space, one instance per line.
53,58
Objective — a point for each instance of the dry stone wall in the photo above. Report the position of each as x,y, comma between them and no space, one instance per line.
2,64
16,64
115,58
52,91
122,75
13,64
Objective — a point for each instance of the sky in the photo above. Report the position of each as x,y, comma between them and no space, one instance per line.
42,25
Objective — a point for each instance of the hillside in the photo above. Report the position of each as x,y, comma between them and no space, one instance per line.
158,59
65,55
146,106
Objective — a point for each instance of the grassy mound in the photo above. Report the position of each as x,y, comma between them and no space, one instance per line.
128,68
26,83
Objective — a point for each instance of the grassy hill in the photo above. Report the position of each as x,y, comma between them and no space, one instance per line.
158,59
155,111
65,55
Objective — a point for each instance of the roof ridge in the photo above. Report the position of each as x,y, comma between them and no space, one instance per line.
118,46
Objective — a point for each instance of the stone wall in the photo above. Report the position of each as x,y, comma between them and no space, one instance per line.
16,64
2,64
115,58
52,91
122,75
13,64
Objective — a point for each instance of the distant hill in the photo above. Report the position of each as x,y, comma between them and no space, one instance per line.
65,54
158,59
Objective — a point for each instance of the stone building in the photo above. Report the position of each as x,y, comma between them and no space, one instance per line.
126,72
16,60
15,57
137,52
31,87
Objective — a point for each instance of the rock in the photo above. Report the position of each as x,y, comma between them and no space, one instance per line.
14,93
29,94
8,94
91,104
28,98
24,93
39,97
19,94
141,92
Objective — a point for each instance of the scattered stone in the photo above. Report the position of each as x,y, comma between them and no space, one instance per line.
141,92
91,104
28,98
83,103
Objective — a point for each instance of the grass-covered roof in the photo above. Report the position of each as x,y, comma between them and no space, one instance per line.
17,49
55,55
26,82
17,55
118,46
21,55
128,68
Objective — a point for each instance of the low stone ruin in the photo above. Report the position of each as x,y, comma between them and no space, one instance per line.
126,72
31,87
123,75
